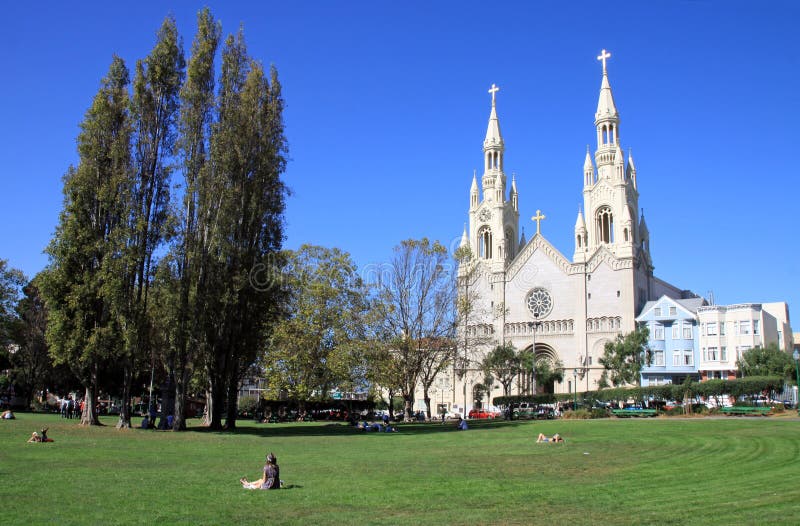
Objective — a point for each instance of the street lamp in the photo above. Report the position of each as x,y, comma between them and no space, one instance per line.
534,325
796,356
575,387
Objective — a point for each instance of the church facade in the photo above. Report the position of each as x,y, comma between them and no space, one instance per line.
528,293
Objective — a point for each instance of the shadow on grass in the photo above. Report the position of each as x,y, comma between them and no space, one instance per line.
342,428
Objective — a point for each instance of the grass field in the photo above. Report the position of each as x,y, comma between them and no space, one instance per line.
627,471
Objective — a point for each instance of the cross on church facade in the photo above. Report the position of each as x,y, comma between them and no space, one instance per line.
603,56
538,218
494,89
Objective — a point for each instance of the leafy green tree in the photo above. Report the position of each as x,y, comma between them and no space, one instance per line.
503,363
766,361
11,283
624,357
153,112
414,306
81,282
547,373
31,364
318,347
247,159
196,216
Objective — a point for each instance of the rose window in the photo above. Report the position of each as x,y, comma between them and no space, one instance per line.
539,302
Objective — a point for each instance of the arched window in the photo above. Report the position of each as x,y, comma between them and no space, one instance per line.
605,225
485,242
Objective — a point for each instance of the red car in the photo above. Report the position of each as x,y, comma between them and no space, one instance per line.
481,413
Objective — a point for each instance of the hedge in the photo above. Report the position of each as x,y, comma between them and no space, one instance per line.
750,386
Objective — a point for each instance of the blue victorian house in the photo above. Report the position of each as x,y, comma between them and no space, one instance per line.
674,340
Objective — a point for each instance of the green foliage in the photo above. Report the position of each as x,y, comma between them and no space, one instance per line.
81,286
11,283
504,364
767,361
318,347
623,359
578,414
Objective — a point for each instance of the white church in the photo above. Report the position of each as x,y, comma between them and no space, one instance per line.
529,294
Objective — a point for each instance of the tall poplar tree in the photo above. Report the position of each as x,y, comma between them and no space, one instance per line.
154,113
248,151
198,214
81,280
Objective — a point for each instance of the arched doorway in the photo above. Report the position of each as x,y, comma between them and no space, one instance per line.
544,374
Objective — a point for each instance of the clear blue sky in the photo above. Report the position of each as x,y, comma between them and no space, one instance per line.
387,108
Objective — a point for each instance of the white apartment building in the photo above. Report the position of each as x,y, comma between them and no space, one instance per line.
726,331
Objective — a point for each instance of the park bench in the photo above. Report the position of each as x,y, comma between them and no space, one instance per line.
627,413
746,411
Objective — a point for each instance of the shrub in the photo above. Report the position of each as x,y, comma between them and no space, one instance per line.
248,405
599,413
579,414
675,411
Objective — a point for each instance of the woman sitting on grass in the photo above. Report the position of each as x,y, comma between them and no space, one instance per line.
543,438
270,479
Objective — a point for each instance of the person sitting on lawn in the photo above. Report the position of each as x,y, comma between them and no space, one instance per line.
462,425
8,414
270,479
555,438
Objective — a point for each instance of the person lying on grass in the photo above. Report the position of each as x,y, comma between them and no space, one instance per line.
270,479
40,437
555,438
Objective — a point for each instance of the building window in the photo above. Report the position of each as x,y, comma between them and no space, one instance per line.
687,331
711,328
676,358
712,354
688,358
723,354
755,326
485,243
605,225
658,358
676,330
722,328
657,311
673,311
744,327
658,331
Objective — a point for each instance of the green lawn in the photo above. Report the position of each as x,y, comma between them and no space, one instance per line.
615,471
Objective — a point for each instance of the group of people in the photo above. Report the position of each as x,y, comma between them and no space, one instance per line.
376,426
71,408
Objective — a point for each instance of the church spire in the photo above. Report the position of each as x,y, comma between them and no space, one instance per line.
588,169
606,120
473,192
493,143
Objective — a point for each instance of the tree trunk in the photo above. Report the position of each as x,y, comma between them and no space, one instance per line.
427,398
89,415
124,421
181,379
232,400
216,398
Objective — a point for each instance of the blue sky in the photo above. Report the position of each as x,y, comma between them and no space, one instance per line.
387,107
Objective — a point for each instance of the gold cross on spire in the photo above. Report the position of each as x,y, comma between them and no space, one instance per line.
603,56
494,89
538,218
